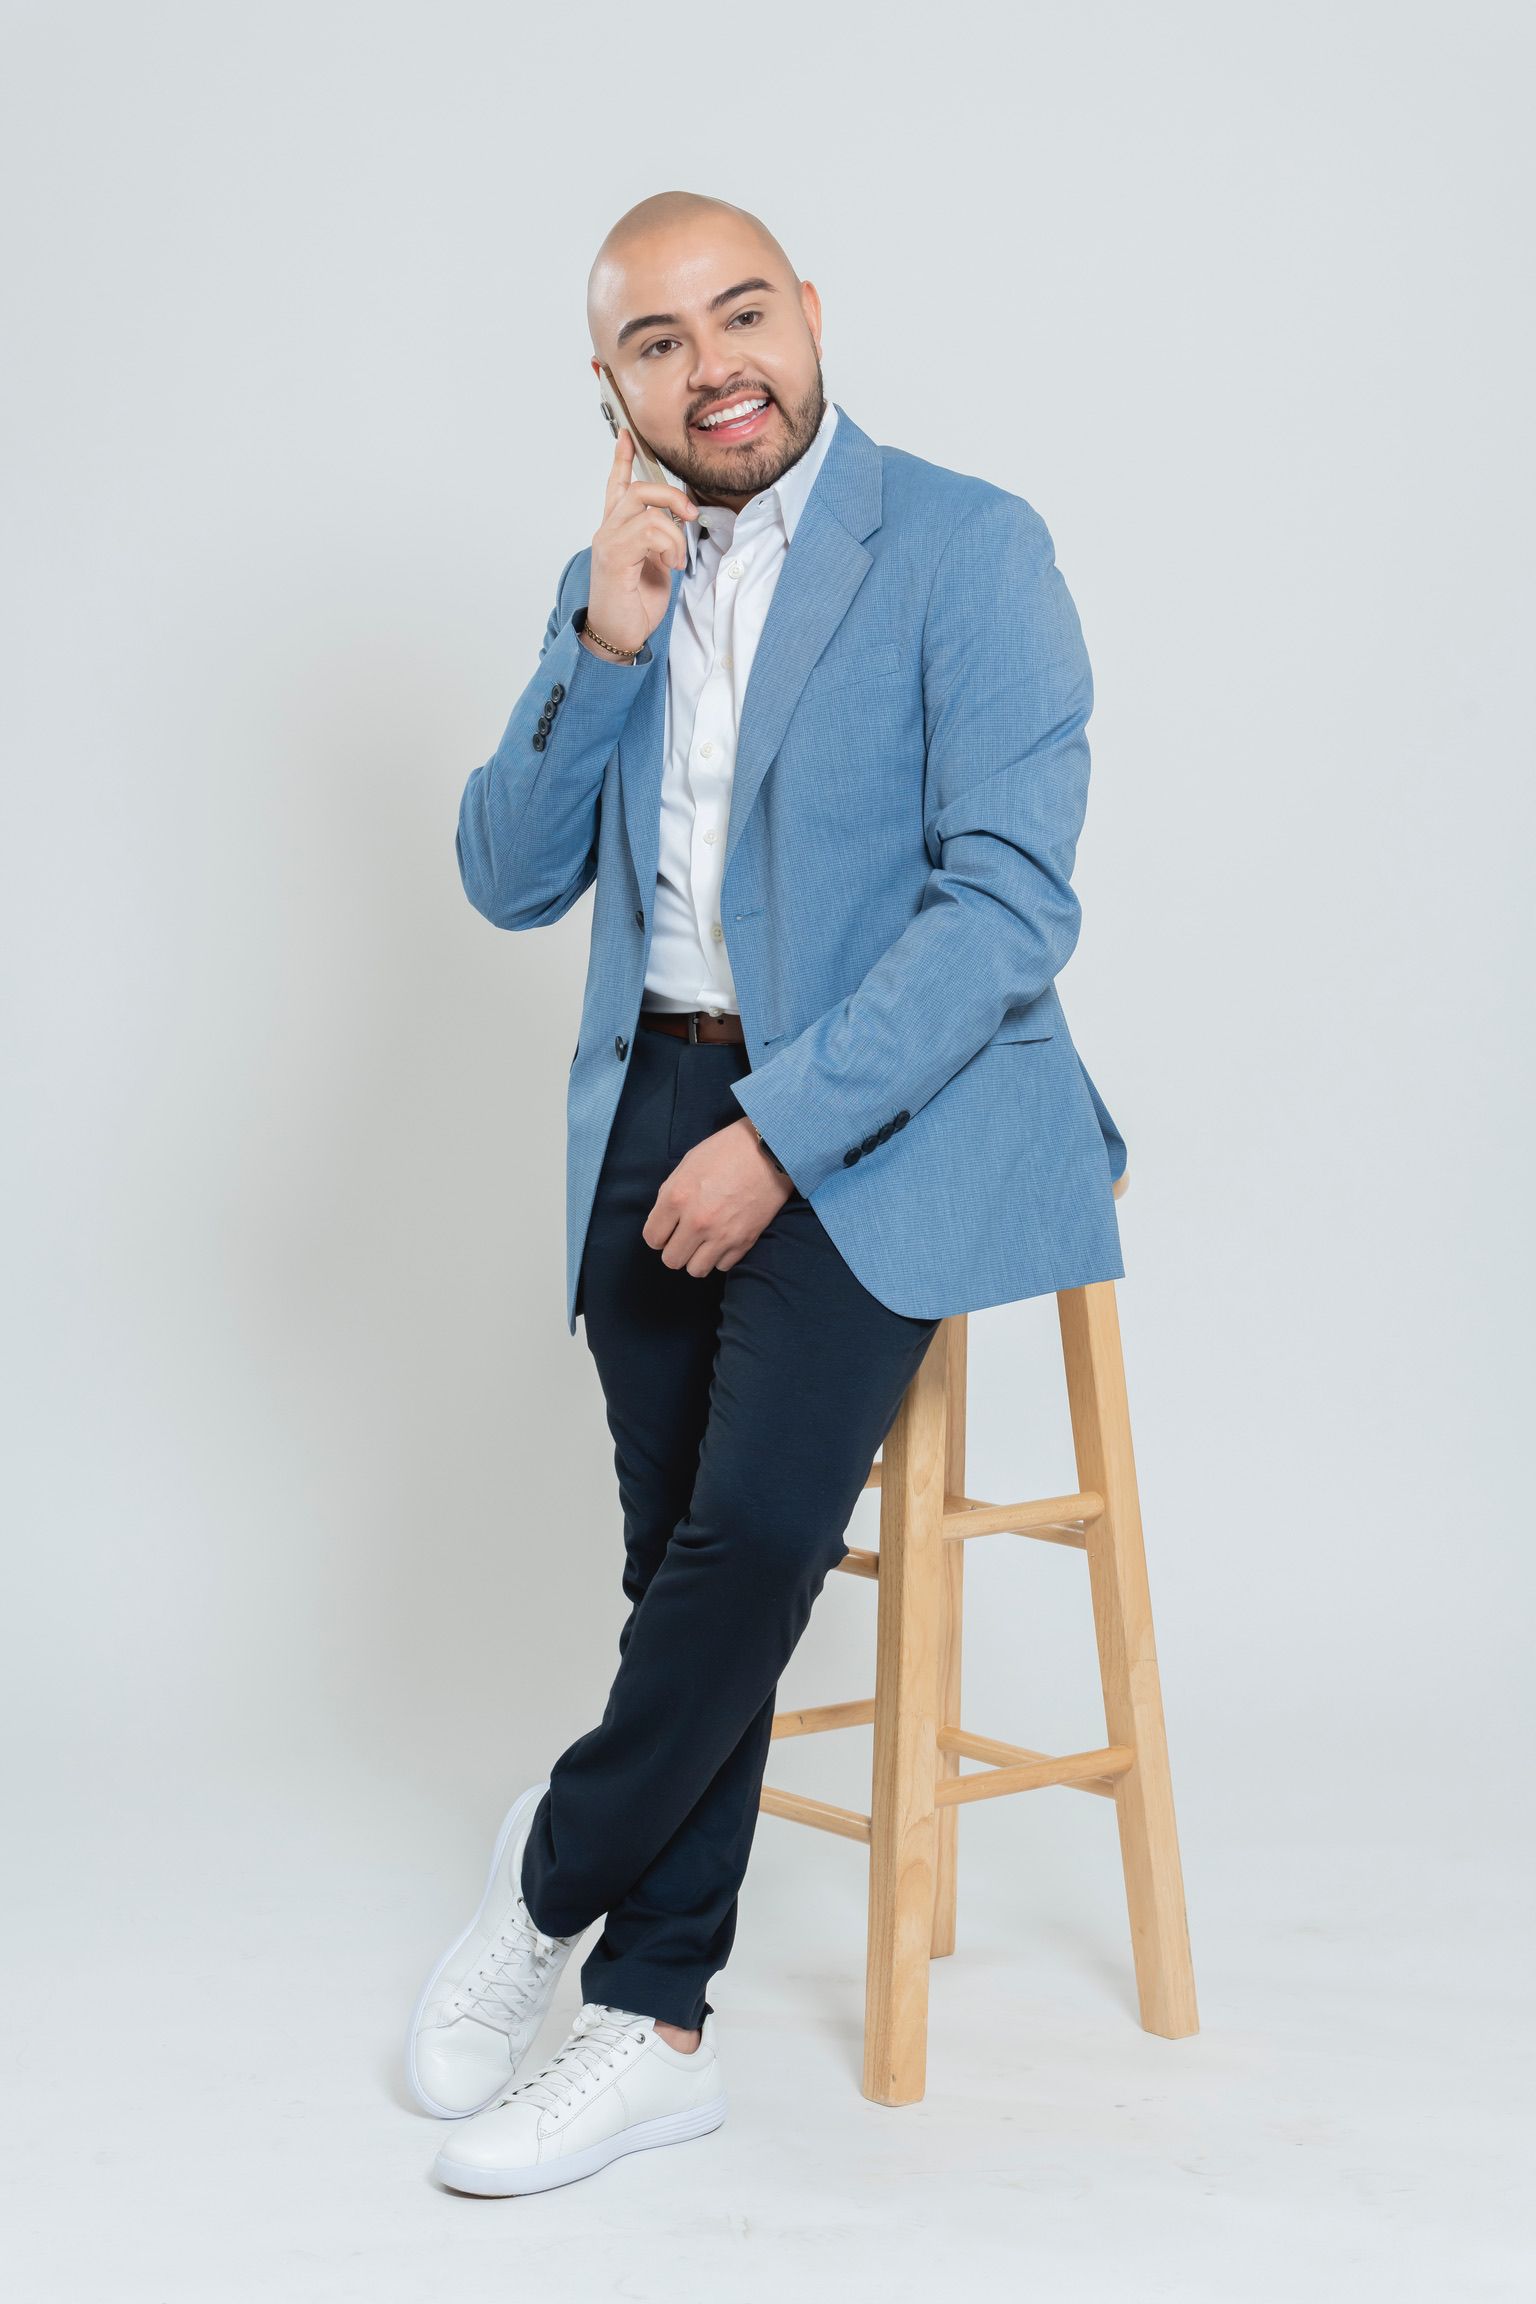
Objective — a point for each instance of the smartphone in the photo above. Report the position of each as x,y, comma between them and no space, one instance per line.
647,466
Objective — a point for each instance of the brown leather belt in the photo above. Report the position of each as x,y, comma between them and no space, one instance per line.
695,1023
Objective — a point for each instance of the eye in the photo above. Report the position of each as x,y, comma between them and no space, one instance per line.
753,312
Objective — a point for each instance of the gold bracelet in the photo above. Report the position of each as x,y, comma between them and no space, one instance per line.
630,655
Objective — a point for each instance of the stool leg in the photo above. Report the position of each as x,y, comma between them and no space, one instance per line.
946,1876
1133,1704
902,1818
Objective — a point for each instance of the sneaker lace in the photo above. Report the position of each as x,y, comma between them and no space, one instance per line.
596,2043
495,1997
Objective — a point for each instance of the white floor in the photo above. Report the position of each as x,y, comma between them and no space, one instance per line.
201,2064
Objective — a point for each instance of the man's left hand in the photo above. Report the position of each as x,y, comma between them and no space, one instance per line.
716,1201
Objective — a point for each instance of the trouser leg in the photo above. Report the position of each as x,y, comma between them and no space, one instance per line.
771,1386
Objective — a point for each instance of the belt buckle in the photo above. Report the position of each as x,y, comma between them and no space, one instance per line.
693,1023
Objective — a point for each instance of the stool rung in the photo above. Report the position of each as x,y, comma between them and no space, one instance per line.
1078,1771
1052,1519
1025,1519
801,1809
859,1712
1068,1768
1055,1519
972,1747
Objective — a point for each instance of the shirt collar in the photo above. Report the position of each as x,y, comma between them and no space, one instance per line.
789,492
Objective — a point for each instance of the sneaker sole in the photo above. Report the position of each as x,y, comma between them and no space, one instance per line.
510,1822
503,2183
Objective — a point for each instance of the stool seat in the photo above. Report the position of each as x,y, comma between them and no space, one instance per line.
917,1789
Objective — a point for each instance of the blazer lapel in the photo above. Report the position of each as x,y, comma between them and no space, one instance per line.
823,568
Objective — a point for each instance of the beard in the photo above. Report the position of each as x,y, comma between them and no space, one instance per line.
756,464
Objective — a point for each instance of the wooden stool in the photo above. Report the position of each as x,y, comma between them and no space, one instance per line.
925,1516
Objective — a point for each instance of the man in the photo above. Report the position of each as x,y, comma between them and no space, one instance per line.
812,719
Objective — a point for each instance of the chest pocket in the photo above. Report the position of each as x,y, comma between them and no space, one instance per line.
842,665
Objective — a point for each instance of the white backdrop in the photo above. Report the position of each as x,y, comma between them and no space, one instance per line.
313,1540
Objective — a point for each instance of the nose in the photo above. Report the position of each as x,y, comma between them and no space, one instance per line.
711,378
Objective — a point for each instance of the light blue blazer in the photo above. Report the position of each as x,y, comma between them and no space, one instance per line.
910,782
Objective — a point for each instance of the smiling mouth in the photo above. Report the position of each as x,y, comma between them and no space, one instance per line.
744,427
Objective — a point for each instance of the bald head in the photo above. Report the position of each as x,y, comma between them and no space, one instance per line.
675,225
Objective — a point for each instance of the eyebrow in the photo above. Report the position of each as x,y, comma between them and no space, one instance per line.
670,319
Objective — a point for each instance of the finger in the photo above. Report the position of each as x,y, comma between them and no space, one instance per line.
633,521
658,1227
619,470
664,542
652,535
661,492
685,1243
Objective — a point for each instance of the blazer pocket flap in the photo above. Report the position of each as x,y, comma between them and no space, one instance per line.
1024,1027
844,664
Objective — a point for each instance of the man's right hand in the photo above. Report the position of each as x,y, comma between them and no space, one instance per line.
634,553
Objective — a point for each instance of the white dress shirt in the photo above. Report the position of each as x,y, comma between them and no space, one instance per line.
734,559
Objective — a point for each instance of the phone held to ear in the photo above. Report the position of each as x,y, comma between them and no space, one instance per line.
646,465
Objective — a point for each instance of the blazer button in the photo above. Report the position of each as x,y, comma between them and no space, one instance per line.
558,690
537,739
869,1144
639,916
546,720
901,1119
850,1157
619,1044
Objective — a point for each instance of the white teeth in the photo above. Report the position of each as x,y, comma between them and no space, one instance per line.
729,415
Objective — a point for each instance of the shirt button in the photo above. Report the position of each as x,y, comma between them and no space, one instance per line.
706,750
711,835
734,567
725,660
717,932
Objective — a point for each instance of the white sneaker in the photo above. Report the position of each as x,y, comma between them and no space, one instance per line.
616,2086
482,2005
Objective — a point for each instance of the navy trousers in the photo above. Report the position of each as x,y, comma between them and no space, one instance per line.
746,1409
